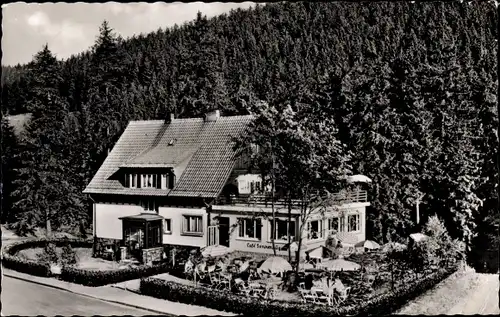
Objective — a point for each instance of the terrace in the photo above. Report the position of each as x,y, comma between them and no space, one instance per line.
340,198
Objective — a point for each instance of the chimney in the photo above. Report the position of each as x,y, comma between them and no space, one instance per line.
212,116
170,117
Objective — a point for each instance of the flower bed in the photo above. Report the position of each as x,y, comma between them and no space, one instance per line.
86,277
100,278
227,301
12,261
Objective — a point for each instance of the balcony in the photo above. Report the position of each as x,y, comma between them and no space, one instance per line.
341,198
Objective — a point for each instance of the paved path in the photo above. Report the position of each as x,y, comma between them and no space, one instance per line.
28,299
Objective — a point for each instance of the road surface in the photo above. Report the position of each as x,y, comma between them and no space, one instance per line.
28,299
469,293
483,300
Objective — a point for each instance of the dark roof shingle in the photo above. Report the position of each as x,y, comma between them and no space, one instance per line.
206,146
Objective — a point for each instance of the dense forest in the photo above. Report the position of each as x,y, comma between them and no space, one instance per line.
411,88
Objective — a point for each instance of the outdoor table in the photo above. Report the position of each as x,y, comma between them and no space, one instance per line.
317,289
255,285
258,292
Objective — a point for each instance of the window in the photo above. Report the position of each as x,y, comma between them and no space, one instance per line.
164,181
283,229
315,229
167,225
154,236
249,228
333,224
132,180
353,221
148,181
255,187
149,205
192,225
342,224
134,238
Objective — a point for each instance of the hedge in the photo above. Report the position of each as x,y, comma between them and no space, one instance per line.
230,302
13,262
387,303
249,306
101,278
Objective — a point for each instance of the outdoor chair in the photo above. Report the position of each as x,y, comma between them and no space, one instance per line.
257,290
271,292
225,281
307,296
323,298
342,295
215,281
244,289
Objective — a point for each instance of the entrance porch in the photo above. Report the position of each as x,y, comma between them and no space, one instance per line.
142,237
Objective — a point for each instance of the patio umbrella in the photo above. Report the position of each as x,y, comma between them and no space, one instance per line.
358,179
341,265
306,266
214,250
244,266
317,253
393,246
417,237
368,244
275,265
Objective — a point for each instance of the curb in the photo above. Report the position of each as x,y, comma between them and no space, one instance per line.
89,296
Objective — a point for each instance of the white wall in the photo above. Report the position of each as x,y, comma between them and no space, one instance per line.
263,245
244,182
176,217
108,224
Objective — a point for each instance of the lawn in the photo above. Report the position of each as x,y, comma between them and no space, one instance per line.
83,256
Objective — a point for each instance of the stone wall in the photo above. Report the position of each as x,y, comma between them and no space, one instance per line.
150,255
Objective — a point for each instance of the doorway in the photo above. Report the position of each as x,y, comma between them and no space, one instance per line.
224,231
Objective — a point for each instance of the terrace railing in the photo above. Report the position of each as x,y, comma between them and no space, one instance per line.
348,197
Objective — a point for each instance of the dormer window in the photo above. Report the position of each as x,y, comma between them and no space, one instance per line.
132,178
148,181
158,181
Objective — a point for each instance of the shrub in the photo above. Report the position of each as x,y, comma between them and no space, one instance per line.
26,266
14,262
227,301
249,306
389,302
100,278
68,256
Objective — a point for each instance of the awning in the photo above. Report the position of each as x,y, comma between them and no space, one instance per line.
143,217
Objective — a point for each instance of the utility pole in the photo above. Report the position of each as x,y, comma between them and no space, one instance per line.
419,199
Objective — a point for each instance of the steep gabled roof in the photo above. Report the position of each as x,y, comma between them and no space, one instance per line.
205,147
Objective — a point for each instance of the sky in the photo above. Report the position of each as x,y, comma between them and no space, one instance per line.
70,28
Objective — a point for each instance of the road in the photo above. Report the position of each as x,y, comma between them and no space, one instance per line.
468,293
28,299
484,299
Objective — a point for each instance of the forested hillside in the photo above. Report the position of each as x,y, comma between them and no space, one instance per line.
411,87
